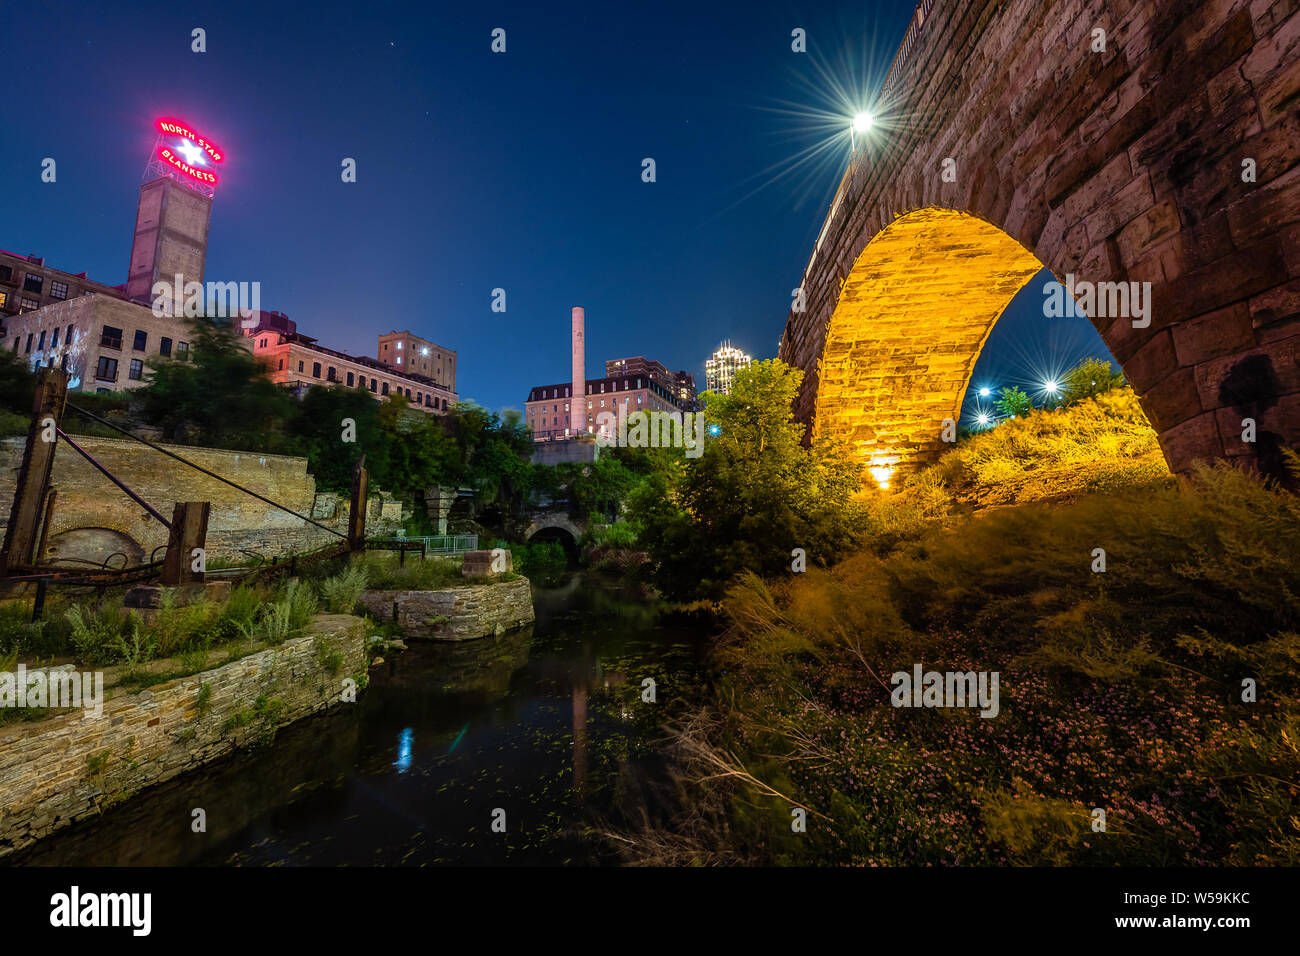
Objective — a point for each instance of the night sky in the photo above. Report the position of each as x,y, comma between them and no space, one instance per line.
474,170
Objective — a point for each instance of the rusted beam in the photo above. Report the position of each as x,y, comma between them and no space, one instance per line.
357,517
186,558
34,473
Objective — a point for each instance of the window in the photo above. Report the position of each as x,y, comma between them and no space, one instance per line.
137,370
399,360
384,389
4,299
54,339
28,350
164,346
67,336
182,350
300,365
6,273
399,346
106,371
419,399
350,379
28,305
281,365
141,340
58,290
40,341
110,338
315,369
332,375
261,343
33,283
374,386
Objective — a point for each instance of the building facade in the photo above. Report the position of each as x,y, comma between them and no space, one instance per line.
101,341
28,284
721,367
635,386
298,362
418,356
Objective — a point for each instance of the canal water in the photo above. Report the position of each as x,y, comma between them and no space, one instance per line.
543,727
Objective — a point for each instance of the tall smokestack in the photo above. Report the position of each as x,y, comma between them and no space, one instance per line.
578,403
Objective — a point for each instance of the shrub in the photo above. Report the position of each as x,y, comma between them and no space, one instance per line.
342,591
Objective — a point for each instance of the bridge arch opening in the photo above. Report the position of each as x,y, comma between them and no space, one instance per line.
563,536
912,318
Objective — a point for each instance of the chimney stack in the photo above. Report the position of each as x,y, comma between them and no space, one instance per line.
578,397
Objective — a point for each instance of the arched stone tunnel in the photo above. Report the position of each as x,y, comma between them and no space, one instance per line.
1161,150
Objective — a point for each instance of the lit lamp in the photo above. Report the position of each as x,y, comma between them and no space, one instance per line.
862,123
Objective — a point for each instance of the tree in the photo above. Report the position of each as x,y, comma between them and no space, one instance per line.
1090,377
221,396
1013,403
754,495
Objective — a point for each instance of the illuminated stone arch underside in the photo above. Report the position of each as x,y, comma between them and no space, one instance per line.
911,319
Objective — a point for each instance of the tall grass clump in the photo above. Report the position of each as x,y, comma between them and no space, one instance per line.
341,591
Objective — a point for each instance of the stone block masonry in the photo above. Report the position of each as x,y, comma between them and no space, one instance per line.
70,766
93,520
455,614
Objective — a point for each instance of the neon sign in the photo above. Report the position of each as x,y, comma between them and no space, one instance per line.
190,154
202,175
173,128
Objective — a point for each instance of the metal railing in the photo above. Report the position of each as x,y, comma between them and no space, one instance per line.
442,544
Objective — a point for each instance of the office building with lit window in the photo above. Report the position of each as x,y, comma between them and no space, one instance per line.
722,366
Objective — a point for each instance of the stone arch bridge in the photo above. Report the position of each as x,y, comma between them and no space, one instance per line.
1131,163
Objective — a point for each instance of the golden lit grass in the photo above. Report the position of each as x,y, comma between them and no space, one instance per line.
1100,444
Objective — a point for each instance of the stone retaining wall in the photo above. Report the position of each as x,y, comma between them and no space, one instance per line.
455,614
72,765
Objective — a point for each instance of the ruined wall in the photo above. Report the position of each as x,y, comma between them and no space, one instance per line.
1122,165
93,519
70,766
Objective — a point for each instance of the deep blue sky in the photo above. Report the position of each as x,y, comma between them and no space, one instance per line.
475,170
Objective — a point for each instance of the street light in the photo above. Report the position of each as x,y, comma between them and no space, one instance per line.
982,418
862,123
984,393
1051,388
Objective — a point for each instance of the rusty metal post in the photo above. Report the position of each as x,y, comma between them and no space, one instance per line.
34,474
46,525
189,532
357,517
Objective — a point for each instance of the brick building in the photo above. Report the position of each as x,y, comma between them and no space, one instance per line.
630,385
101,341
299,361
27,284
410,353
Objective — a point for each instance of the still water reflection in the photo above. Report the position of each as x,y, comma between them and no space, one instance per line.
546,724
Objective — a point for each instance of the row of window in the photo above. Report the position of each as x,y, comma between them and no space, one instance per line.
32,282
40,342
106,370
381,388
111,338
24,304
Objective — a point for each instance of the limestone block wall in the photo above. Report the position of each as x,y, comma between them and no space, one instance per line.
455,614
68,767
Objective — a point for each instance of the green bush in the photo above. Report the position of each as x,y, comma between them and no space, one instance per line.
342,591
